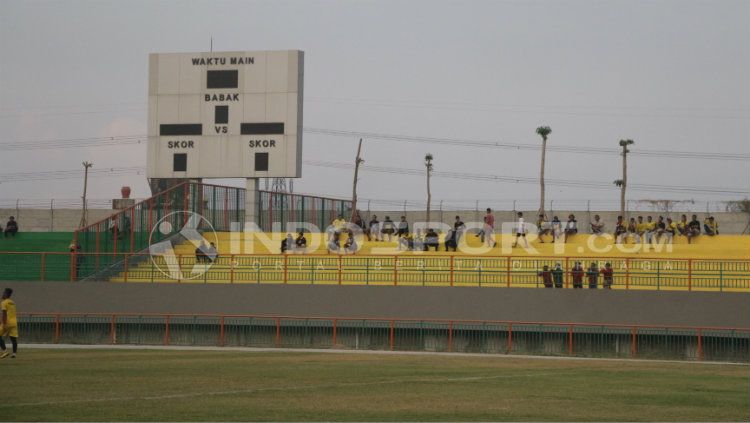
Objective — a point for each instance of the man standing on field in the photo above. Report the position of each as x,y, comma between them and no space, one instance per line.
8,323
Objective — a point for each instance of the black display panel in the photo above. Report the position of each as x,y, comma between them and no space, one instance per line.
261,162
221,79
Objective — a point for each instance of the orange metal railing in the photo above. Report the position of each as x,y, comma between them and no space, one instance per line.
509,337
410,270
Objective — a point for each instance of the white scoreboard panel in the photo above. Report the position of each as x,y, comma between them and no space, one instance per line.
225,114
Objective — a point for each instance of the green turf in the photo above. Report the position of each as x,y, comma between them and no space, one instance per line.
37,241
20,267
208,385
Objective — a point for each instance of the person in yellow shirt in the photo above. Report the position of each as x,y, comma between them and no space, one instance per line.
711,226
640,229
650,229
8,324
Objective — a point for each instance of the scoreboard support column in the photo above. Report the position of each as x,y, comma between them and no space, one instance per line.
252,200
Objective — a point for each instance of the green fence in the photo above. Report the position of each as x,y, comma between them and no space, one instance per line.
203,206
524,338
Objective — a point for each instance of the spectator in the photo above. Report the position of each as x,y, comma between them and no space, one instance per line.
608,274
75,249
389,228
640,228
489,228
431,239
650,229
577,273
544,228
200,252
670,229
632,231
300,243
593,276
406,243
620,230
661,228
520,231
710,225
334,244
557,275
288,243
339,224
350,246
556,229
451,240
458,228
571,228
682,226
403,227
459,225
374,229
357,220
213,253
597,226
546,276
694,229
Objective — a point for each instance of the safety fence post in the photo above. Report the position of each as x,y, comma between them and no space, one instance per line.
633,341
125,268
567,272
700,344
278,332
286,268
231,271
112,335
507,270
450,336
57,329
690,274
395,270
570,339
510,338
339,271
627,273
451,269
43,263
166,330
72,266
333,340
391,335
221,332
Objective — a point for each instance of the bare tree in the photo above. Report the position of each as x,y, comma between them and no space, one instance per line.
623,183
428,168
544,132
357,161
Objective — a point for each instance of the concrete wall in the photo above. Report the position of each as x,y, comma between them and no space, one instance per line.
465,303
66,220
51,220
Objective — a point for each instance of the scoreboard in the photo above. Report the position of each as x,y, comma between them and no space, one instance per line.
225,114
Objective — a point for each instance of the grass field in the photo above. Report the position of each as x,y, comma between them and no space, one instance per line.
102,385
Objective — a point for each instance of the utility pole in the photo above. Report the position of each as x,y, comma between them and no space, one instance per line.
86,166
623,183
428,168
359,160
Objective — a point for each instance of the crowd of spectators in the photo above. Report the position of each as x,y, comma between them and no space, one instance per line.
341,238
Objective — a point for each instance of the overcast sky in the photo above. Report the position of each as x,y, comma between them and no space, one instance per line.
671,75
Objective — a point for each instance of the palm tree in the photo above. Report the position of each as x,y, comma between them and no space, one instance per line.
428,167
543,131
623,183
